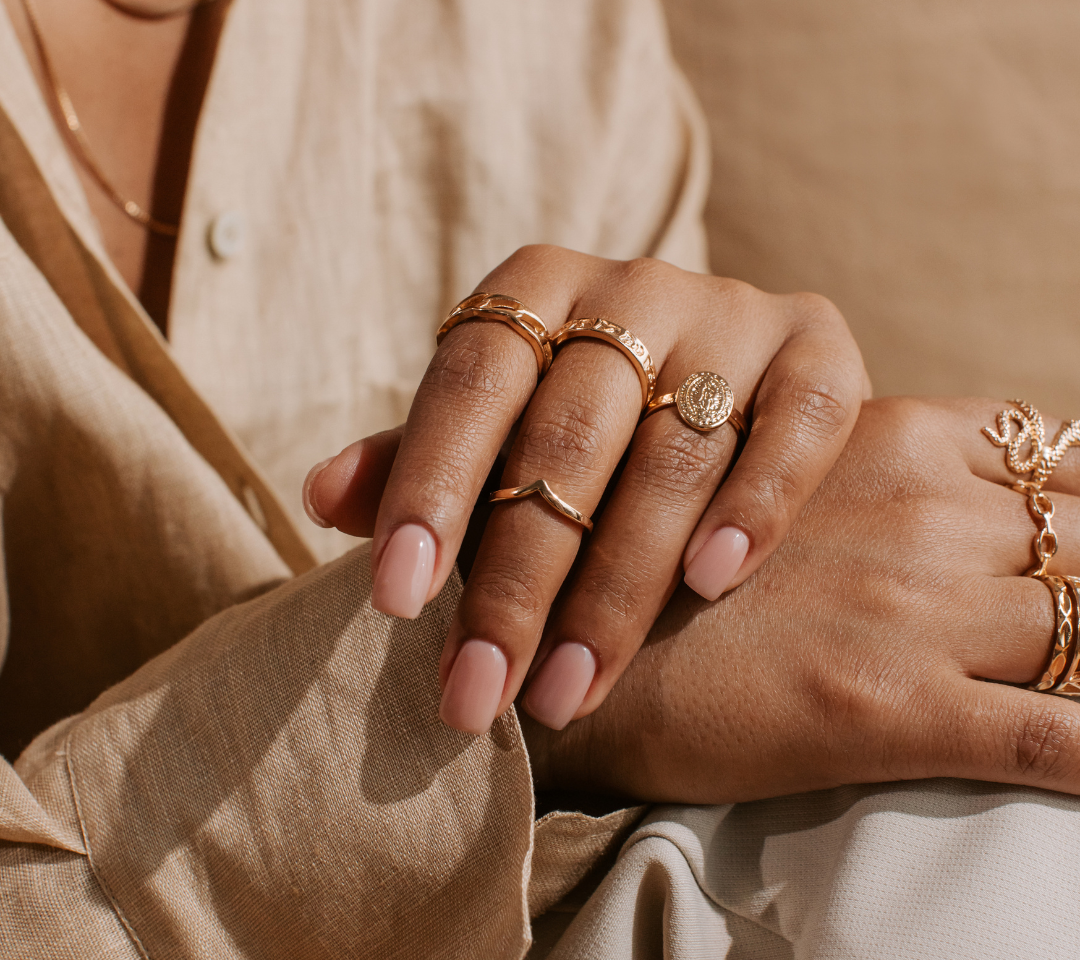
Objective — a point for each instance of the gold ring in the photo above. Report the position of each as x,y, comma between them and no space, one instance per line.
1055,675
503,309
619,337
1068,684
1040,463
703,401
553,499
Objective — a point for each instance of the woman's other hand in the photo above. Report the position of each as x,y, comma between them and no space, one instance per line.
792,366
857,653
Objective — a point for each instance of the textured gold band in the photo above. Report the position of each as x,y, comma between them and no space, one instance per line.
629,345
503,309
1061,654
550,496
1069,682
704,401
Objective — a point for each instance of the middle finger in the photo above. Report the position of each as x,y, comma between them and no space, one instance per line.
572,436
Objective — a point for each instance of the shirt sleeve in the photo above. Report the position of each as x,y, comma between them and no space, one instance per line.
278,779
658,148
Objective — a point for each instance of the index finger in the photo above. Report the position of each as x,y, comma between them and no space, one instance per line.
475,388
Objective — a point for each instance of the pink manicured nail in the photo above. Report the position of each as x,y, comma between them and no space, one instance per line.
403,577
309,504
714,566
560,685
474,688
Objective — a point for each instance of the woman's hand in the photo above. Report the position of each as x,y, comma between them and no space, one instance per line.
855,654
793,367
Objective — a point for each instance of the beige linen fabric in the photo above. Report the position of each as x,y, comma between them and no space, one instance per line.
277,784
916,163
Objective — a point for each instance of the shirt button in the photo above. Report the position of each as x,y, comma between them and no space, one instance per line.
254,508
226,234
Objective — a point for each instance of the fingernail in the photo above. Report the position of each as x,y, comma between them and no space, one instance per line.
714,566
403,577
474,688
309,504
560,685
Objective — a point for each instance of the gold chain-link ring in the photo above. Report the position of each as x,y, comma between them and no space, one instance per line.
629,345
703,401
503,309
1040,463
1065,626
550,497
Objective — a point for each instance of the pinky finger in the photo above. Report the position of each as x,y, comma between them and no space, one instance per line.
1005,734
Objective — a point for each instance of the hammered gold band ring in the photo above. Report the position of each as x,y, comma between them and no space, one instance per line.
629,345
503,309
1055,674
550,497
704,401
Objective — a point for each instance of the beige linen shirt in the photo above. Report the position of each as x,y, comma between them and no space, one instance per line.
269,778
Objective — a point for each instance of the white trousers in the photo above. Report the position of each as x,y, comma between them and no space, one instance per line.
949,869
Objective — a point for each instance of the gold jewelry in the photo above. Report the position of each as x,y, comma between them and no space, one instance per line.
138,14
496,306
618,337
1065,625
553,499
703,401
1069,683
79,143
1040,463
1030,430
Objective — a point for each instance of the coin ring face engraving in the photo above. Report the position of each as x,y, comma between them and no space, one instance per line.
704,400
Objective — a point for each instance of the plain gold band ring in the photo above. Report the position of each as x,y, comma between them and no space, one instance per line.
703,401
550,497
503,309
629,345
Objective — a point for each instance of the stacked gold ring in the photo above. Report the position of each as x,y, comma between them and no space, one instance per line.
621,338
503,309
703,401
1061,675
1061,655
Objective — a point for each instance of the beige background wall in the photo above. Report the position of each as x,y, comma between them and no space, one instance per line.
919,163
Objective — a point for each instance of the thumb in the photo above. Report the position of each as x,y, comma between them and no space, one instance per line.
344,491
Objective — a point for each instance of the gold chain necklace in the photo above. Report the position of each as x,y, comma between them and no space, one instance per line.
77,138
177,11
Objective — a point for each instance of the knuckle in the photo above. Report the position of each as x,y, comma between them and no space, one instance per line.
508,588
676,463
815,310
1040,744
772,493
571,434
475,366
611,599
818,406
809,404
644,270
534,255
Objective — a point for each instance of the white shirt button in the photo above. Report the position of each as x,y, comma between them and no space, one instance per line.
226,234
254,508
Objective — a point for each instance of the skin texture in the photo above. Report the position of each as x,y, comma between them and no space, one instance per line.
791,363
137,86
854,654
